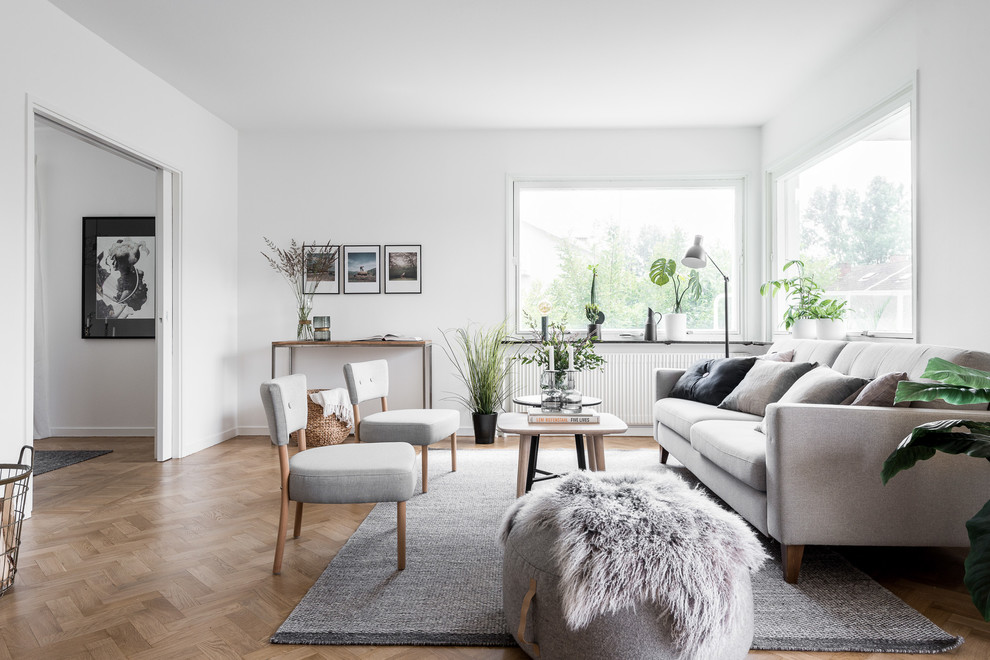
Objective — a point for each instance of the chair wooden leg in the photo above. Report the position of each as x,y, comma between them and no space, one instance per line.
297,528
453,452
791,556
663,455
400,525
426,465
283,524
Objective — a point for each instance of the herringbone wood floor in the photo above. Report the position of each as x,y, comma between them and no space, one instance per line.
128,558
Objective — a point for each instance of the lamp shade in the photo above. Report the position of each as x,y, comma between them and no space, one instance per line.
695,257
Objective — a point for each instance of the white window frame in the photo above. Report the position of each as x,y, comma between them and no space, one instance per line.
837,140
738,285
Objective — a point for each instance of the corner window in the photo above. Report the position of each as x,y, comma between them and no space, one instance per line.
847,214
560,228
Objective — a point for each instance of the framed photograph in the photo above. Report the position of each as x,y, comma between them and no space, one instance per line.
118,278
361,268
403,268
321,268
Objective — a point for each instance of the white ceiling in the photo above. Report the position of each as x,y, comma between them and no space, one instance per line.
392,64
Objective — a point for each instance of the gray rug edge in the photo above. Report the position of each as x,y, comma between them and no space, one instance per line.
90,454
413,638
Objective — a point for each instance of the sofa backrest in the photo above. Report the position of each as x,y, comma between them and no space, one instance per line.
871,359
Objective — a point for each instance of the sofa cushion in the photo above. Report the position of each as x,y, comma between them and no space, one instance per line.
680,415
735,447
710,381
879,392
765,383
821,385
785,356
812,350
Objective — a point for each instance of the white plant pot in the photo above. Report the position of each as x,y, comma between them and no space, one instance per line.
804,329
830,329
675,326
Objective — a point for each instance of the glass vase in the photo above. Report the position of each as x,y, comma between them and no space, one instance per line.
304,331
553,387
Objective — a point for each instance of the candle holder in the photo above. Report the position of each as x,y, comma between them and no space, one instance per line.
556,390
321,328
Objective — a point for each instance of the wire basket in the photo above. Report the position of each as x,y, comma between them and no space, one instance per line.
322,431
13,487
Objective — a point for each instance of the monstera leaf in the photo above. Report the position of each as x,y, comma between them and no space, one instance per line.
954,436
955,384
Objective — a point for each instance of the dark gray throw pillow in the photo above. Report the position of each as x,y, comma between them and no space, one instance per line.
764,384
821,385
709,381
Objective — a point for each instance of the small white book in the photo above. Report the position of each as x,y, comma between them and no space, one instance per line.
562,418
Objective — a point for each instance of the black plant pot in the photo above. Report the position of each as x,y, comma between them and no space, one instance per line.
484,427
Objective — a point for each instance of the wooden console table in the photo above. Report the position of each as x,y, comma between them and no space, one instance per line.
426,346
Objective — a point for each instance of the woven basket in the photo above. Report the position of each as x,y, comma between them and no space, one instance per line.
320,430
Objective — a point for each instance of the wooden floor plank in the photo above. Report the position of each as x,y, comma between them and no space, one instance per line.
125,557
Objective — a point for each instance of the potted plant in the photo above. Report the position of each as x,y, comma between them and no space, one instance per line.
802,294
575,354
663,271
594,314
479,359
959,386
830,317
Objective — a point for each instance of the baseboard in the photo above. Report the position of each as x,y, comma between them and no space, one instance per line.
205,442
95,432
252,430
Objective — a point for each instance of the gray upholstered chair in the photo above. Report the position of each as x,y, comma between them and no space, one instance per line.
369,380
338,474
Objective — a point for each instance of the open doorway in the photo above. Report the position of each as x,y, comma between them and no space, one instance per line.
85,387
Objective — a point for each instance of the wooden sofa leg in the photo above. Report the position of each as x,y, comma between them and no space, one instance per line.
663,455
400,524
426,466
791,556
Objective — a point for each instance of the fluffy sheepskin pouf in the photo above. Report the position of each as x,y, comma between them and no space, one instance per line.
635,565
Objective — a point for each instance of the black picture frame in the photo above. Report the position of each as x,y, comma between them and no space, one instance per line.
402,268
118,278
323,286
361,269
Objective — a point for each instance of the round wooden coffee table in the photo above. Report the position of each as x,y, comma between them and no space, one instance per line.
529,443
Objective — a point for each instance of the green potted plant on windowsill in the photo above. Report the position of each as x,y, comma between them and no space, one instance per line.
479,359
802,294
687,288
959,386
594,314
830,315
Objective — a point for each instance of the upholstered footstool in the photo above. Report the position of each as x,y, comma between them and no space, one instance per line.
636,565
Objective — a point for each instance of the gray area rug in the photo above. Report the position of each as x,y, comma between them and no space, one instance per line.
450,592
53,459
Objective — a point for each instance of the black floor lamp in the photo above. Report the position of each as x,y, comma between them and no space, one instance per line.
698,257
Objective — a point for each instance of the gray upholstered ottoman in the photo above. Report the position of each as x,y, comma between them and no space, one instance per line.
628,566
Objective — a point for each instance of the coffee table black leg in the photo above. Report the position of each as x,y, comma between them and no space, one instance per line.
579,443
534,450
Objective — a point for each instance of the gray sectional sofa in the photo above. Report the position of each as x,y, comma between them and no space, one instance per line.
814,477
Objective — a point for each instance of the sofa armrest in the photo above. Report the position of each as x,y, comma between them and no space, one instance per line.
824,487
663,382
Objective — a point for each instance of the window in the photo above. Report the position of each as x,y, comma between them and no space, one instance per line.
563,227
847,215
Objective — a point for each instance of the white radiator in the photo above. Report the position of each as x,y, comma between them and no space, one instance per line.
625,385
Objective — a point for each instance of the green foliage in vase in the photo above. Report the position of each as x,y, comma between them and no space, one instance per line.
959,386
592,311
801,292
585,357
479,359
664,270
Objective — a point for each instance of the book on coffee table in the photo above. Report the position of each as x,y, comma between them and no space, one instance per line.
562,418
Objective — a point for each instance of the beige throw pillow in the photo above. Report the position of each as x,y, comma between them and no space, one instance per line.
784,356
764,384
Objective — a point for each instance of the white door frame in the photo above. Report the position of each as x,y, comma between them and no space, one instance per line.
168,437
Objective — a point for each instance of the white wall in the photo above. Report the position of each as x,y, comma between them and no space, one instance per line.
945,43
53,59
954,168
76,179
444,190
